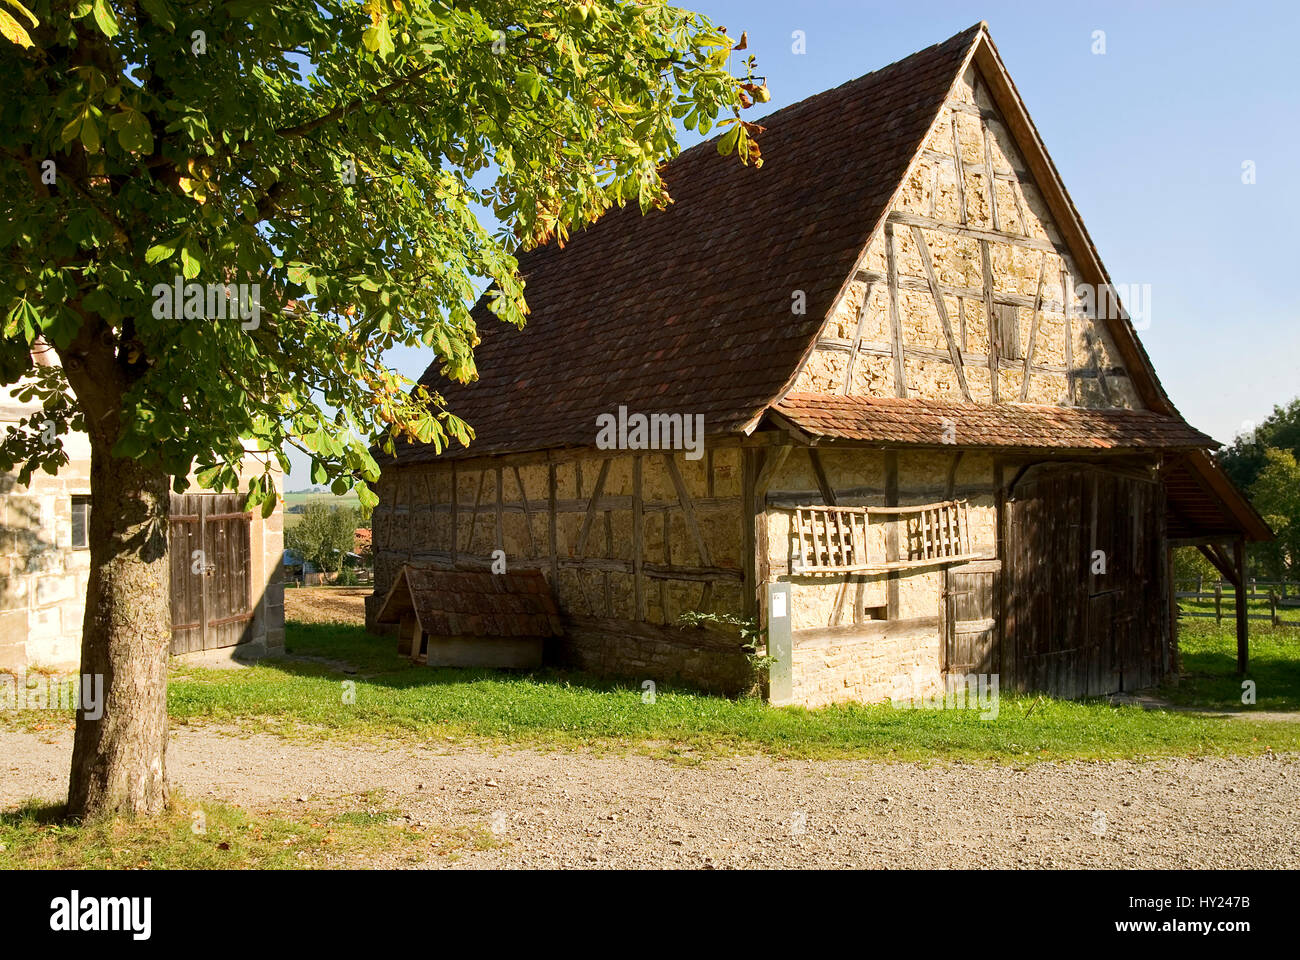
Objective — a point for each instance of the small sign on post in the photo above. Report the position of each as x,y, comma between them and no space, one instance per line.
780,644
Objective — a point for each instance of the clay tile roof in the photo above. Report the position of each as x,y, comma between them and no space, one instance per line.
688,310
474,603
926,422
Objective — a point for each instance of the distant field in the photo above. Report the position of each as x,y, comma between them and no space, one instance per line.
292,500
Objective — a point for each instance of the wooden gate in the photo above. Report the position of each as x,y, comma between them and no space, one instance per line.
1087,609
210,550
970,621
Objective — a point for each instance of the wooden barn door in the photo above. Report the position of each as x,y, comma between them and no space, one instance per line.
211,583
970,620
1085,582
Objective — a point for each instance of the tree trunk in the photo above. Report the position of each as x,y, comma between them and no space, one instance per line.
118,759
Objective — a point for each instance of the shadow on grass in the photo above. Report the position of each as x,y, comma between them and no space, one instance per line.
375,659
1210,679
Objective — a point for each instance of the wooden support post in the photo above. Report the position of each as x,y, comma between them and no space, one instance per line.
1243,641
891,534
1218,602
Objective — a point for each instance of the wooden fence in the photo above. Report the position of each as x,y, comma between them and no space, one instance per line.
1280,595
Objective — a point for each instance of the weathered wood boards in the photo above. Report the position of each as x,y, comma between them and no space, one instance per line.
1086,589
212,602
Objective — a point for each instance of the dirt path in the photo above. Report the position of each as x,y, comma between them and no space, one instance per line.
590,810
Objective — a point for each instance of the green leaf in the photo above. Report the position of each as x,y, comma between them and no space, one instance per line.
190,265
529,82
105,18
161,13
727,142
163,251
90,135
13,31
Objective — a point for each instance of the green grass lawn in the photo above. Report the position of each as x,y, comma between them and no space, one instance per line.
218,836
391,698
1209,652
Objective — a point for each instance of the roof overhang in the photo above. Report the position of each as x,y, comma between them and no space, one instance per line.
1204,506
922,422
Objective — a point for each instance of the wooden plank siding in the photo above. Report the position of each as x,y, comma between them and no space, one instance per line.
1072,630
212,602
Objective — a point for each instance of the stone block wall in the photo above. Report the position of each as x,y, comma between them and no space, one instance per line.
842,652
42,576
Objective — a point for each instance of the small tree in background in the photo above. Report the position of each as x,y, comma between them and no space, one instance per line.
323,536
1247,456
1276,495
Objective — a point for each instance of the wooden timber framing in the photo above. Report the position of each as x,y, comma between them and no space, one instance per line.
954,350
768,463
857,337
986,267
906,219
1043,172
1027,372
895,317
891,533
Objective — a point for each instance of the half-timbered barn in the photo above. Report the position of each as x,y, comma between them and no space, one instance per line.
926,418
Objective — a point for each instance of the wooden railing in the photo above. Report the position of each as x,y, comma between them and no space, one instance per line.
836,539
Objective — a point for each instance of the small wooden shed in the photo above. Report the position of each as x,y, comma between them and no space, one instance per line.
471,618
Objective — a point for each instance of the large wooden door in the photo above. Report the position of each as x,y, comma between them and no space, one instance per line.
1086,573
970,621
211,583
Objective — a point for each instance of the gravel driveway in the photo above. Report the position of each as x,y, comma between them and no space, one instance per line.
591,810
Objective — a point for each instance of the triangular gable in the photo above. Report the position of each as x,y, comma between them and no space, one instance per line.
969,287
705,307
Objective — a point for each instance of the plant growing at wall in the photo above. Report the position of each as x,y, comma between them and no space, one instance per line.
752,636
221,213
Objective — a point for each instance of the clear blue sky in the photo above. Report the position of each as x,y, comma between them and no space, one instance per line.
1150,138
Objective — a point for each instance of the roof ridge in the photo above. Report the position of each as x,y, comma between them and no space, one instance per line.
861,79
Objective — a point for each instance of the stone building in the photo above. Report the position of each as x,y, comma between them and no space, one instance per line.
926,417
230,594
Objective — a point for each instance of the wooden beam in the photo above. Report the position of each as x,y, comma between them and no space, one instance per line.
961,169
988,174
891,534
594,506
895,318
773,459
528,513
828,497
974,233
500,528
455,513
1243,621
1027,373
857,339
1067,295
954,353
688,509
986,267
752,505
638,537
551,529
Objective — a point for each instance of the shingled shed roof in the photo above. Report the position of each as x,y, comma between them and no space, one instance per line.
688,309
925,422
474,603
